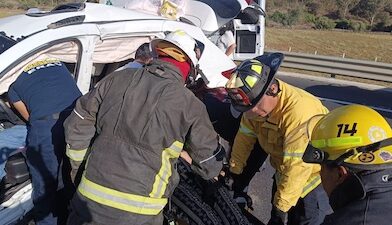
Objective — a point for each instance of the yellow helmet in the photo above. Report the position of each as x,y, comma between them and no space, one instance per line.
354,135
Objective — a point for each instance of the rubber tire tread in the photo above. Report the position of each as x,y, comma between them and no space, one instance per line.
227,208
189,206
224,206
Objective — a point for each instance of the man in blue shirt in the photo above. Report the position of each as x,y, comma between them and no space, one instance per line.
44,95
143,56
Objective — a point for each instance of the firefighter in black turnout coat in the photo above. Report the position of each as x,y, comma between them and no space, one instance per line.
138,121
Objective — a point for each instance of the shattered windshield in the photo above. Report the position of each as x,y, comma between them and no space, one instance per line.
5,42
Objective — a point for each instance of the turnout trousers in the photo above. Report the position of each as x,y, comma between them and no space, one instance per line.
83,213
310,210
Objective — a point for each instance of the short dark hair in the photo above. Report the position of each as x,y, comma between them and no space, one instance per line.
4,97
143,52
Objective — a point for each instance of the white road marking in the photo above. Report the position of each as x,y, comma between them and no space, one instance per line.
336,81
350,103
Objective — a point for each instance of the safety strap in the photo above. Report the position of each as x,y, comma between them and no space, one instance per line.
375,146
367,148
315,155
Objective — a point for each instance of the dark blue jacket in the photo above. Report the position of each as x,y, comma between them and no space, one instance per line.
363,199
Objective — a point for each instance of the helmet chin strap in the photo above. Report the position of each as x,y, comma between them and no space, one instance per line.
270,92
315,155
192,76
375,146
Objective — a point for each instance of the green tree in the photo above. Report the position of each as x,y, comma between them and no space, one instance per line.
345,6
286,19
369,9
324,23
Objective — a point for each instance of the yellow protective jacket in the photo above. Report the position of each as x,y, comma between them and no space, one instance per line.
278,135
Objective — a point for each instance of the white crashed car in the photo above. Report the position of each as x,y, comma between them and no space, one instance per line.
92,40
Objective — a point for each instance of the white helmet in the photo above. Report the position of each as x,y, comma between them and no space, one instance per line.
182,41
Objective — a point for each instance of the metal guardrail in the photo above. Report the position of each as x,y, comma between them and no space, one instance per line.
339,66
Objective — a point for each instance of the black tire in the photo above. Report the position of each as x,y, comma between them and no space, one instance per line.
188,204
189,207
228,209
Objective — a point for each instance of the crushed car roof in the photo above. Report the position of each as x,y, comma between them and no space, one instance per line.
87,12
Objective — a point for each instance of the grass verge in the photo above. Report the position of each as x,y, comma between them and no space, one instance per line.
366,46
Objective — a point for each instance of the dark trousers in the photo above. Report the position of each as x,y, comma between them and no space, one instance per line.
310,210
45,151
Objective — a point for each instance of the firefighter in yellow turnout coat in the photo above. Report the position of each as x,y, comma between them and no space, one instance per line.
273,110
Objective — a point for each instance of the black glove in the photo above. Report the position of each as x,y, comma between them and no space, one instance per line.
226,178
278,217
209,193
248,203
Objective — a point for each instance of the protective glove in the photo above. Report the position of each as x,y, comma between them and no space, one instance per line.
240,197
278,217
198,87
210,189
226,178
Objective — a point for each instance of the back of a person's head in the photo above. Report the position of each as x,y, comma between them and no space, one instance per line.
3,97
143,52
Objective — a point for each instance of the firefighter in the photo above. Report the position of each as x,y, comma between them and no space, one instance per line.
353,144
272,110
134,128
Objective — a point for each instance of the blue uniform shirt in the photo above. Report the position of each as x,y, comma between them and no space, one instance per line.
134,64
45,87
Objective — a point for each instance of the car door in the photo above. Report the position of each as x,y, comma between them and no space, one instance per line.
72,45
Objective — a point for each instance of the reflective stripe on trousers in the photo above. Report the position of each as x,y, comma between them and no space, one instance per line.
120,200
136,203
